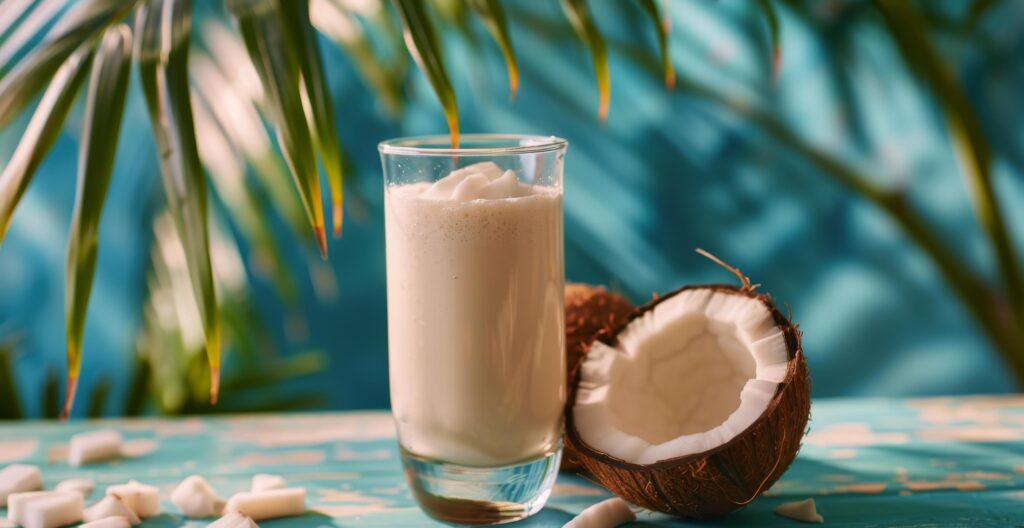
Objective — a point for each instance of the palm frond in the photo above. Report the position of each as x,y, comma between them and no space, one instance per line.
108,85
344,29
421,39
583,23
12,13
299,31
86,21
494,17
41,133
227,173
274,58
661,24
17,39
239,117
165,28
907,27
771,17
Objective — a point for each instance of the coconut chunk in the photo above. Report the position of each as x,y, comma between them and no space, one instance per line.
59,509
265,482
605,514
142,499
260,505
803,511
108,522
233,520
94,446
196,498
110,506
82,486
17,501
17,478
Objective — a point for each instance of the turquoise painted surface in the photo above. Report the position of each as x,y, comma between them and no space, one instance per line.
867,462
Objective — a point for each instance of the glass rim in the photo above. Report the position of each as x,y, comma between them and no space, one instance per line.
419,145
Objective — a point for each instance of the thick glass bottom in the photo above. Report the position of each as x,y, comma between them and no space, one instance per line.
457,494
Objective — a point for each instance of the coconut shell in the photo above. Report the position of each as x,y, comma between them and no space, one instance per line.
590,312
728,477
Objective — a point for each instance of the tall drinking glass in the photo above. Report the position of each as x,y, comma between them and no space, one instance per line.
476,324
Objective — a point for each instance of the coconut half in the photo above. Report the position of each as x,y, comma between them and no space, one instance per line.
696,406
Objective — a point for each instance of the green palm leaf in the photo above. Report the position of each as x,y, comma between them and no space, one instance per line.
497,23
586,29
18,36
165,27
662,25
299,30
12,13
238,115
86,21
421,39
42,132
345,31
907,27
104,106
227,172
275,61
772,19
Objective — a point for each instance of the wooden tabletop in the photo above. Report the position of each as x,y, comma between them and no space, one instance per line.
867,462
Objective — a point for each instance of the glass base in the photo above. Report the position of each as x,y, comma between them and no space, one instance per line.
457,494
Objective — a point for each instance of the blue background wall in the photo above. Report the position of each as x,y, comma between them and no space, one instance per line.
667,173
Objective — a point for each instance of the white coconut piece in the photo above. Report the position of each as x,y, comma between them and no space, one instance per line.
605,514
17,478
16,503
685,377
196,498
803,511
82,486
94,446
233,520
59,509
266,482
111,506
270,504
108,522
144,500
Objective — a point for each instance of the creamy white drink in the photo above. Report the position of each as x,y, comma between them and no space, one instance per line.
475,316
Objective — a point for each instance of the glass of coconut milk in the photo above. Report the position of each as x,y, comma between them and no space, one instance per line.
476,324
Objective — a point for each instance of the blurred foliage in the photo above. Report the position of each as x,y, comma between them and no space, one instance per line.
215,95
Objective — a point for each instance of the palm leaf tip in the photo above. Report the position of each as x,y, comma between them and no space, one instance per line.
772,19
425,48
315,95
271,49
663,26
69,396
497,24
321,240
337,216
585,27
214,384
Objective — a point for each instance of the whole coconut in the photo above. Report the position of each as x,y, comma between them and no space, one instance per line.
590,312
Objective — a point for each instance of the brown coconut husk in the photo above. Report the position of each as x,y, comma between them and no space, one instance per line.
728,477
590,312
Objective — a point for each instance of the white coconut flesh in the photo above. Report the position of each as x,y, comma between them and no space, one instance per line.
685,377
